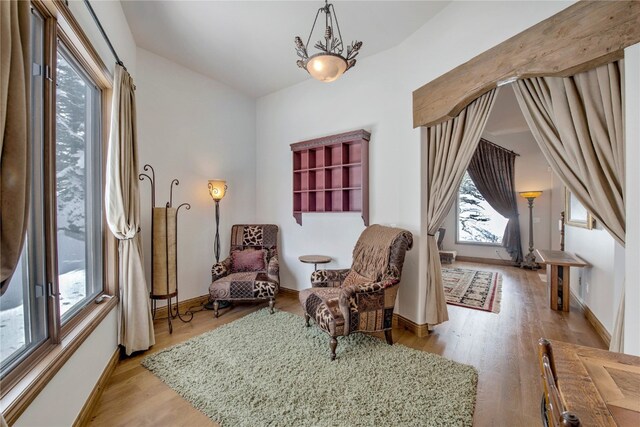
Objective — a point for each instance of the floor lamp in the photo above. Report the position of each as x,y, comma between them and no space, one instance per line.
530,258
217,190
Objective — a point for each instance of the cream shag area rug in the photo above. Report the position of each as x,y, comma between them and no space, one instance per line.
477,289
270,370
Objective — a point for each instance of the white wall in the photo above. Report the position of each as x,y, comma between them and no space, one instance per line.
531,173
59,404
193,128
632,200
375,95
598,286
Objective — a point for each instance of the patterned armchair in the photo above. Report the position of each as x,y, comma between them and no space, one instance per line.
230,283
346,301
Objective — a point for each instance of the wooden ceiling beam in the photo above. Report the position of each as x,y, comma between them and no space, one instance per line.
583,36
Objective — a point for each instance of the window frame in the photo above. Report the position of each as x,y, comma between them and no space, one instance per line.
466,242
28,378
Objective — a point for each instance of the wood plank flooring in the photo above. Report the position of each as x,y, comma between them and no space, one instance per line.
501,346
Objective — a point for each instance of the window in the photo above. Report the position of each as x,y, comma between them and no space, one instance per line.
60,271
477,221
78,184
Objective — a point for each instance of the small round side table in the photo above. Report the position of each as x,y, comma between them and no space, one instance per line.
315,260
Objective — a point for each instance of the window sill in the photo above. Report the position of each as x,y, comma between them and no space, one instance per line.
19,396
489,245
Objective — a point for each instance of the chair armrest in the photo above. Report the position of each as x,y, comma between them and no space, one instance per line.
273,269
328,278
363,297
221,269
371,287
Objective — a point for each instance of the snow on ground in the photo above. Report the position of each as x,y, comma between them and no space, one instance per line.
72,289
12,333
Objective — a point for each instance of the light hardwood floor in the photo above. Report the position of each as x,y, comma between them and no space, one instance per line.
501,346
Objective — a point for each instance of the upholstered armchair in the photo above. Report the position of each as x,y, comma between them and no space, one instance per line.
362,298
251,272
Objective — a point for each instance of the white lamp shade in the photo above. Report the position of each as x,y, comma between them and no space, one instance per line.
325,67
217,188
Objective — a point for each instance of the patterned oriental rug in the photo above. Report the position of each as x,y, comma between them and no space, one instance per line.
271,370
477,289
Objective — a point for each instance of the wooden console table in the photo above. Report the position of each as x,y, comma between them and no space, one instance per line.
601,387
559,265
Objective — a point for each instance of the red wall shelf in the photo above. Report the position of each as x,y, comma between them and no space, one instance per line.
331,174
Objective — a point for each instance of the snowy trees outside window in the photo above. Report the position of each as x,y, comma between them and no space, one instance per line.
478,222
78,192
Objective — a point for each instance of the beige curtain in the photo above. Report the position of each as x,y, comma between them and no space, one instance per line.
450,147
15,83
123,216
578,124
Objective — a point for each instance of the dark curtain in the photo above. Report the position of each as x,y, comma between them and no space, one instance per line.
492,171
15,75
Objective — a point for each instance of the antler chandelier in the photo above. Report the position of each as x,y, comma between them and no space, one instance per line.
328,64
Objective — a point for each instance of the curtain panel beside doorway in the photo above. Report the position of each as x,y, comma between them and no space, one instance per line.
450,147
578,123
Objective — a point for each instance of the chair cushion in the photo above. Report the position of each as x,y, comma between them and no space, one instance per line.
322,305
248,260
243,285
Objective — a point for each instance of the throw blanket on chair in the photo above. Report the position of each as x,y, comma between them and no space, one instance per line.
371,254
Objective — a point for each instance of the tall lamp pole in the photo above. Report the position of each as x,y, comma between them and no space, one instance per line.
217,190
530,258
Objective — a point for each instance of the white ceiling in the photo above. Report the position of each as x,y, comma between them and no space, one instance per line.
506,117
248,45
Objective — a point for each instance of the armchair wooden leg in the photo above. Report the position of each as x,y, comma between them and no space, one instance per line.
333,344
272,303
306,319
388,335
216,306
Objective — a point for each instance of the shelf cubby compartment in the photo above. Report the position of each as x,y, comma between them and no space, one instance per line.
354,153
352,176
297,161
307,160
354,199
297,202
297,181
308,180
339,155
337,201
323,201
331,174
337,177
308,202
321,156
323,179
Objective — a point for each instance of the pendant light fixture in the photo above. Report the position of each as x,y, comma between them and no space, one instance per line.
329,63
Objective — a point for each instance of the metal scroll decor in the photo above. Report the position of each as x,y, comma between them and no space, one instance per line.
164,251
